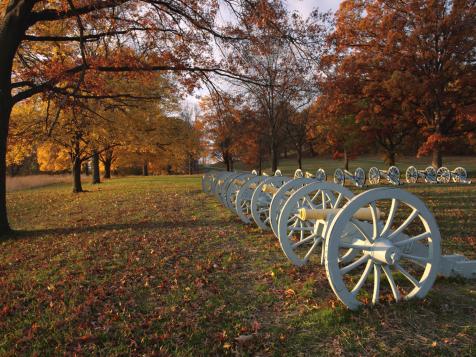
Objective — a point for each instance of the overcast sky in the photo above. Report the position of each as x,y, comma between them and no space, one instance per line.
306,6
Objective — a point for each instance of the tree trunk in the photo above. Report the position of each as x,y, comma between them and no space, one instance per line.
299,158
311,150
346,161
5,111
77,187
145,169
107,168
437,158
285,152
13,26
86,169
96,175
274,156
390,158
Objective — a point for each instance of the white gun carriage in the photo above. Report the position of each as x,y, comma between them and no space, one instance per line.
357,178
458,175
381,234
412,175
392,175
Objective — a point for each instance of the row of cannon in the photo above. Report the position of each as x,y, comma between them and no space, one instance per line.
380,234
392,176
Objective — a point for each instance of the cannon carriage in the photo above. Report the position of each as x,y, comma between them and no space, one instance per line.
412,175
458,175
357,178
382,244
392,175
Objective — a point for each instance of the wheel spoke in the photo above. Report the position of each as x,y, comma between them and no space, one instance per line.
292,218
316,243
373,211
407,275
337,201
417,238
304,241
363,278
377,276
323,198
404,225
391,216
315,195
357,225
391,281
355,264
309,201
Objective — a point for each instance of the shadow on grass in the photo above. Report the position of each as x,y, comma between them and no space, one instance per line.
138,226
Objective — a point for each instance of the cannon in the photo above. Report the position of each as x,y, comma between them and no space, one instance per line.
458,175
282,194
358,178
261,199
392,175
381,232
382,242
413,174
233,188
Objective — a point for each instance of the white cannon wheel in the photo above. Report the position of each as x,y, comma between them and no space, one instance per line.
404,248
460,175
321,175
300,239
443,175
207,180
430,174
393,175
298,174
217,181
223,184
261,201
339,177
278,173
233,189
243,198
411,175
374,176
359,177
280,198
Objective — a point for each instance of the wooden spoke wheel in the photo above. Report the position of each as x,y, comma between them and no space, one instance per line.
261,200
243,198
374,176
411,175
301,238
404,247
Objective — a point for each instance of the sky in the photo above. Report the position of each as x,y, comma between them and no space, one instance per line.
306,6
303,6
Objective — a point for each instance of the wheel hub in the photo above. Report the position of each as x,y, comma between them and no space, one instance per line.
383,251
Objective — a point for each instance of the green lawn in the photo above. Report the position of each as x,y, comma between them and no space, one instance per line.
288,166
152,266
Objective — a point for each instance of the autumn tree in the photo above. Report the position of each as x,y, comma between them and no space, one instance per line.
61,46
408,64
283,53
336,131
220,120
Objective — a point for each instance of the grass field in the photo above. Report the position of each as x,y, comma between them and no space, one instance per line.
288,166
152,266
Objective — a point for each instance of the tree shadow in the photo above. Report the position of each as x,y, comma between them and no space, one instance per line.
139,226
